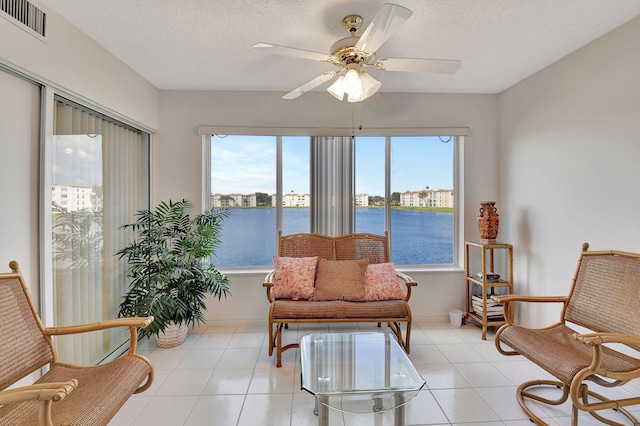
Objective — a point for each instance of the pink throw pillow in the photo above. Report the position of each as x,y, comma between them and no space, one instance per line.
294,277
381,283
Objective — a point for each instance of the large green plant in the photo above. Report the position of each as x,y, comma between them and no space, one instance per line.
170,265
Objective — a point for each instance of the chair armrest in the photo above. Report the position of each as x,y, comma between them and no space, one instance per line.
133,323
596,342
408,281
55,391
508,298
593,339
268,283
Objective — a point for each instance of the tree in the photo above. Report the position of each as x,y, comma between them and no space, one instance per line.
77,237
263,199
424,195
170,265
395,198
376,200
230,201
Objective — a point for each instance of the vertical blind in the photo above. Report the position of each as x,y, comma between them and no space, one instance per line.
332,205
100,179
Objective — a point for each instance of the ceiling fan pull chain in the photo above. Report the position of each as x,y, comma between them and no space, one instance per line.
353,122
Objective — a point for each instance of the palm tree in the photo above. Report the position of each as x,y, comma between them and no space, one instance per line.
170,265
424,195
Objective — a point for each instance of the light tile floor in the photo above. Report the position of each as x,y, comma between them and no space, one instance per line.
222,375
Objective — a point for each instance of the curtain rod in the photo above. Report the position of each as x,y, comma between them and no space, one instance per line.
332,131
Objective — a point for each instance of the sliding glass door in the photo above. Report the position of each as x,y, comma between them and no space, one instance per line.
100,178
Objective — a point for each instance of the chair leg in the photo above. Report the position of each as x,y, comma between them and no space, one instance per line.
272,341
279,346
522,393
398,331
582,393
604,402
407,337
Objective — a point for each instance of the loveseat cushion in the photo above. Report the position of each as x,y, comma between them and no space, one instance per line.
340,280
334,309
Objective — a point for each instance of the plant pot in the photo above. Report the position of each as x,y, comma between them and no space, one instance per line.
174,335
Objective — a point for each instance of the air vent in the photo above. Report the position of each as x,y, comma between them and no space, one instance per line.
25,13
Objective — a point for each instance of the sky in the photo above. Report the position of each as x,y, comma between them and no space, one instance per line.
247,164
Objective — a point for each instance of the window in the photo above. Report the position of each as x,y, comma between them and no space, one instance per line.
404,185
370,185
296,197
422,199
107,160
243,178
420,196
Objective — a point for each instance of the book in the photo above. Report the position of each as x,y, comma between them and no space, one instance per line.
491,276
490,302
492,309
490,312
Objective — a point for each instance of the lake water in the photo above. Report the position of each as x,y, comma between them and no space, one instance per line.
417,236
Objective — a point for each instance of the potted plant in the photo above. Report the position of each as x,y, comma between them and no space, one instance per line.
171,270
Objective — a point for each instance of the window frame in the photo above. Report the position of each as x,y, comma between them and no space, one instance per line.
459,133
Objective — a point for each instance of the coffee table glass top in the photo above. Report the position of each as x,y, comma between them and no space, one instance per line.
343,368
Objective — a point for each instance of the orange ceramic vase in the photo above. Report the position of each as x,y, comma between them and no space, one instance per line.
488,222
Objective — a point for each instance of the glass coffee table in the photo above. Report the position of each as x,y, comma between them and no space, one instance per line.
357,373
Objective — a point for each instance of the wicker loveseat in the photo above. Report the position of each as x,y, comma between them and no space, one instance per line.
66,394
604,300
369,249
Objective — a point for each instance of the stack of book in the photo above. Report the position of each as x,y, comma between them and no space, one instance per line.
494,310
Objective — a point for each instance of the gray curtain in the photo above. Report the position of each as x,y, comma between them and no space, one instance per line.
332,177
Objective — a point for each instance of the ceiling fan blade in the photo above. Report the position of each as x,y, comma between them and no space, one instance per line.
292,51
441,66
388,19
310,85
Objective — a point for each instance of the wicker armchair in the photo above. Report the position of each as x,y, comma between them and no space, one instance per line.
66,394
605,299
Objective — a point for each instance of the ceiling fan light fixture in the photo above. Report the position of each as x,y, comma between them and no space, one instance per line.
369,85
357,85
337,89
352,78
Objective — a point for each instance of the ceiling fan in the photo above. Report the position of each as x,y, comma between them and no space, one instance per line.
353,53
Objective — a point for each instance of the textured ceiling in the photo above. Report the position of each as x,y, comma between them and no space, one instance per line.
207,44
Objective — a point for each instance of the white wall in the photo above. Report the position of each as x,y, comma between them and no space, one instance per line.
71,60
569,155
177,158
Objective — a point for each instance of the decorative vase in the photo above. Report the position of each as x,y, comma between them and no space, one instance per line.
174,335
488,222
